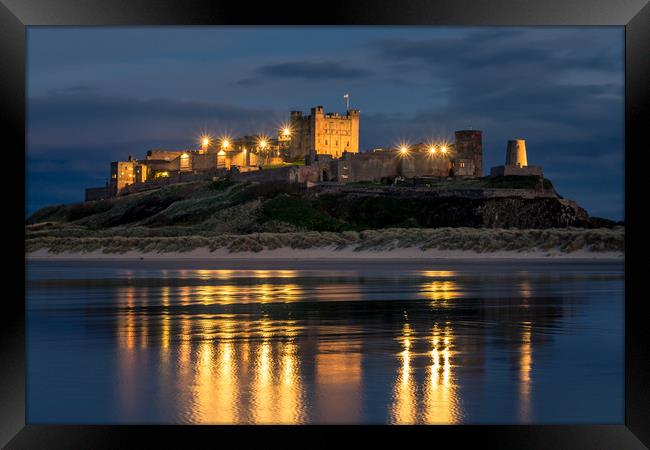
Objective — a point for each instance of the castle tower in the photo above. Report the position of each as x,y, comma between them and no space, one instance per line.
516,153
469,145
327,133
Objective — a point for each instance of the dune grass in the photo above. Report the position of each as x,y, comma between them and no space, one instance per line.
478,240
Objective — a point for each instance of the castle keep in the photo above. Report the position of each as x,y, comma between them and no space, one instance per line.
326,133
316,148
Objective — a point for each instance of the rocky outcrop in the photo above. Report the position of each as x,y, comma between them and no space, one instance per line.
205,208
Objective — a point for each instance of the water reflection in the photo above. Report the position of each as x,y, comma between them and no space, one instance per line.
525,367
441,402
432,400
403,410
281,347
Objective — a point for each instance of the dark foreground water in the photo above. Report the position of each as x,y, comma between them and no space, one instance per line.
352,342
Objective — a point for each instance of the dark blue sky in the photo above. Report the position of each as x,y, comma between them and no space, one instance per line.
99,94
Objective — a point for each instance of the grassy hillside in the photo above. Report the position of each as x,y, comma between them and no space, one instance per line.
205,208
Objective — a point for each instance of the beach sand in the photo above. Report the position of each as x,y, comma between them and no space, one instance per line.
330,253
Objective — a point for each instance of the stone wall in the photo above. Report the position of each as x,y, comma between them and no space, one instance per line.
463,167
371,166
97,193
204,161
500,171
166,155
289,174
424,164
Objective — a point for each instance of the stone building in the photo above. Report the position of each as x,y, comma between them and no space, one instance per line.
516,161
326,133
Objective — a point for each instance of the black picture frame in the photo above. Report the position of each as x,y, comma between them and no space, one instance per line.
16,15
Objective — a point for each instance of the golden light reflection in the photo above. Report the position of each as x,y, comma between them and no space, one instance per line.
217,389
262,401
525,368
229,293
441,290
404,407
441,402
290,395
438,273
338,381
219,362
127,335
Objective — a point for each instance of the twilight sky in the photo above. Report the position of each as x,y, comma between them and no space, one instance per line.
99,94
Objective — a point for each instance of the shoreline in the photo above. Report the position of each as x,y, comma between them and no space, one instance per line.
331,254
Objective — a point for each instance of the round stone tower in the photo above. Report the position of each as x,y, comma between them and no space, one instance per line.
516,153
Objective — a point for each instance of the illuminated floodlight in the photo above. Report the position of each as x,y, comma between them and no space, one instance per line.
443,149
285,130
225,143
262,142
432,149
403,148
204,139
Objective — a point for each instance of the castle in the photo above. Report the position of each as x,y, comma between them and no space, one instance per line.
316,148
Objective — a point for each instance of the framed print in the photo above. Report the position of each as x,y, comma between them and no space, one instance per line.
403,221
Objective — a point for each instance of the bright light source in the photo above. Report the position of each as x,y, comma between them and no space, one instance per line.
443,149
263,144
403,149
432,150
286,131
206,141
225,143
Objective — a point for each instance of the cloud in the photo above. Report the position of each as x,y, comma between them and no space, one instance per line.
312,70
76,89
58,120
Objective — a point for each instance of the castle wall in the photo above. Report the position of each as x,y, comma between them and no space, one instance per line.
166,155
97,193
289,174
372,166
375,166
242,159
157,165
418,164
205,161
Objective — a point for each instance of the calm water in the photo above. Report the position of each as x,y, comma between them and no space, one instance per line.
353,342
